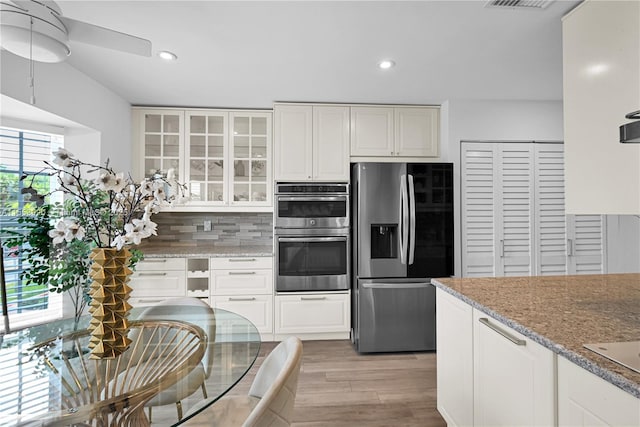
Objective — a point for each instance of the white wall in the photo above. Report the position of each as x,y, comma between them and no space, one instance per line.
66,92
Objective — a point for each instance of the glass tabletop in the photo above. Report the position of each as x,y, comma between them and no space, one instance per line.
35,384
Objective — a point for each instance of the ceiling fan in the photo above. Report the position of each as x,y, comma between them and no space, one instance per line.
36,30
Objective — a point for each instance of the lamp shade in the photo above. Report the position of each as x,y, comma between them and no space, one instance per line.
45,49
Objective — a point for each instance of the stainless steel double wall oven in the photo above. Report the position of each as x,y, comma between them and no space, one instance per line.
312,236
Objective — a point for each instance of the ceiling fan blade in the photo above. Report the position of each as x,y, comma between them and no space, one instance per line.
92,34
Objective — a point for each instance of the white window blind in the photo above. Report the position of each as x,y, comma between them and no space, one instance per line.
22,153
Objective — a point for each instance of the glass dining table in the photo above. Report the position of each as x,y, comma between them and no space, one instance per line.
48,378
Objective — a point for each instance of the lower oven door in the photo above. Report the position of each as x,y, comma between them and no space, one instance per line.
318,263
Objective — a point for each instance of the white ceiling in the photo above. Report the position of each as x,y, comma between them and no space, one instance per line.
250,54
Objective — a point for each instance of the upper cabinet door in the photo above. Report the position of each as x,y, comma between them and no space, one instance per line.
601,85
205,154
249,171
372,132
417,131
331,143
159,135
293,142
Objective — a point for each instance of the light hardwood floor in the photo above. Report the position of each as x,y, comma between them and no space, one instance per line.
339,387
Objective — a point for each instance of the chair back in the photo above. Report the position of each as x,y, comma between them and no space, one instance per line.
276,384
191,310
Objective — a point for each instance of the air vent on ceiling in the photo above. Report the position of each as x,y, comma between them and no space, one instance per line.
529,4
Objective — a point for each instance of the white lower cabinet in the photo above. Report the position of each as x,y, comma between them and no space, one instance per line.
244,285
158,279
301,314
454,332
585,399
513,377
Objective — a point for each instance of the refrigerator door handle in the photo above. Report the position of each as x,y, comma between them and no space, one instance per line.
412,221
396,285
404,220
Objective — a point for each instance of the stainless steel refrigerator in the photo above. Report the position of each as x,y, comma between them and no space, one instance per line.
402,224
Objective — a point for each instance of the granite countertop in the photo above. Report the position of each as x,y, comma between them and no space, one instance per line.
180,251
562,313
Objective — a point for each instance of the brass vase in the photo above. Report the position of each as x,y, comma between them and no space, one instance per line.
109,306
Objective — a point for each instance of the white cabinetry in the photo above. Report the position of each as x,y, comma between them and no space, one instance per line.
601,83
587,400
310,315
513,218
454,323
223,156
513,377
311,142
244,285
379,131
156,279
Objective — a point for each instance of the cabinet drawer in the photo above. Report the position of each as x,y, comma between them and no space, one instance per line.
161,264
312,313
257,308
158,284
242,282
241,263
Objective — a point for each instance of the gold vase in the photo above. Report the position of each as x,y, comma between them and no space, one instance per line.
109,307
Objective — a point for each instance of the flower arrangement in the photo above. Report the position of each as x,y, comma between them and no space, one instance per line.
108,211
111,210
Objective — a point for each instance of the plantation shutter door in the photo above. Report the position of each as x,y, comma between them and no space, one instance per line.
550,221
586,237
478,183
515,209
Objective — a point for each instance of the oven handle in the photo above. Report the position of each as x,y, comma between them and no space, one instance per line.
311,199
313,239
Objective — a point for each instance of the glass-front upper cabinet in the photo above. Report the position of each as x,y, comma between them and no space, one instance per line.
161,136
250,146
205,153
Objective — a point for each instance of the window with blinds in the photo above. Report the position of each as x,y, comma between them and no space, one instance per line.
22,153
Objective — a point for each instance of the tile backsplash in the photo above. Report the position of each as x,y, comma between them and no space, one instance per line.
227,229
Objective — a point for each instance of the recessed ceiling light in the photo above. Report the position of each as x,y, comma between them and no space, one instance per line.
167,56
386,64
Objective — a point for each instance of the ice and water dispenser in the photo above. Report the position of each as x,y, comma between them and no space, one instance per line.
384,241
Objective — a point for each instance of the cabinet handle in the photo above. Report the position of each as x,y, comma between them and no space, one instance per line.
312,298
241,259
239,273
570,247
154,260
150,300
242,299
152,274
634,115
516,341
501,248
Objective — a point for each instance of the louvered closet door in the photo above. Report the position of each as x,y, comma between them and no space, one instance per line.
550,222
478,183
514,215
586,247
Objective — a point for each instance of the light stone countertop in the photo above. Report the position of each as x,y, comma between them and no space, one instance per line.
185,251
563,313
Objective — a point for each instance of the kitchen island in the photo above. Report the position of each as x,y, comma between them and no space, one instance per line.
551,315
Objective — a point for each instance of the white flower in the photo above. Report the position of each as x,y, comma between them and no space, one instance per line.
58,233
146,187
63,158
159,194
119,242
67,180
73,230
110,182
171,174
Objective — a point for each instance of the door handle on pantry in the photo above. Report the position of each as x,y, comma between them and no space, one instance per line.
312,298
152,274
241,273
516,341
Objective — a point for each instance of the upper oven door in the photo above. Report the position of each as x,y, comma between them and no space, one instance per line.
312,211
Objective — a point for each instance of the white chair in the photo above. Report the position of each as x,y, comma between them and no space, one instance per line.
199,313
271,397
